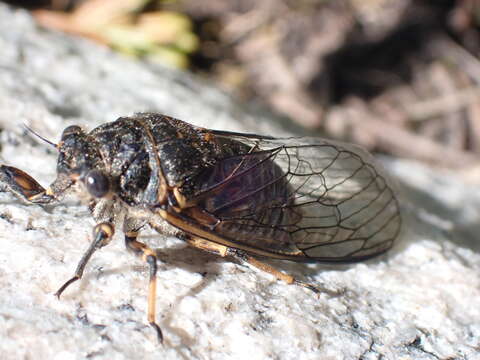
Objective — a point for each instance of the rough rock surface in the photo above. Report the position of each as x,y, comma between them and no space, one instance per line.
422,301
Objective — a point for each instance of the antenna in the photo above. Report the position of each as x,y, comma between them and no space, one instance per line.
39,136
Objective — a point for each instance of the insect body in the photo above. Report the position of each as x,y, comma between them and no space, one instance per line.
242,195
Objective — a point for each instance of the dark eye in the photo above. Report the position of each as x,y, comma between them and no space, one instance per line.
73,129
97,183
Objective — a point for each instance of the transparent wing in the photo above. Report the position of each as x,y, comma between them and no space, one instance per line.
304,198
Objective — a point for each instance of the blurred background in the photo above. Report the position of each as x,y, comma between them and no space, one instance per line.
400,77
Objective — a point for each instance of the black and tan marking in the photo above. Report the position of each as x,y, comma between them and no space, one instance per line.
22,184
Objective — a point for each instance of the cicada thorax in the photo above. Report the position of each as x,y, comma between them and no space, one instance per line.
122,148
151,154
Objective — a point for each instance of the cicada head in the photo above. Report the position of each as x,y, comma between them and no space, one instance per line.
79,163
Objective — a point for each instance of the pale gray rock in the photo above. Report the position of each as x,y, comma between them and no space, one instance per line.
422,301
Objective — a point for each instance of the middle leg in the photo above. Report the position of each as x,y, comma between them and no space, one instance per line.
149,256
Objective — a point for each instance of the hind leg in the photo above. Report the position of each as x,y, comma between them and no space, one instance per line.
223,251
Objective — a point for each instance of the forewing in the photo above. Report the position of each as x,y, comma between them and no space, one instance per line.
348,209
304,198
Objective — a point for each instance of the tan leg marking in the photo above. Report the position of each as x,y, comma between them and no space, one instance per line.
149,256
209,246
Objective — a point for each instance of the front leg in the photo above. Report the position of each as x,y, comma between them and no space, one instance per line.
102,235
24,186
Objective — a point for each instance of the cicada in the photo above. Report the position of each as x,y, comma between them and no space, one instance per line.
242,195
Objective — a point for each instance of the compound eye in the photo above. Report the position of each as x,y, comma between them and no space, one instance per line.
97,183
71,130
